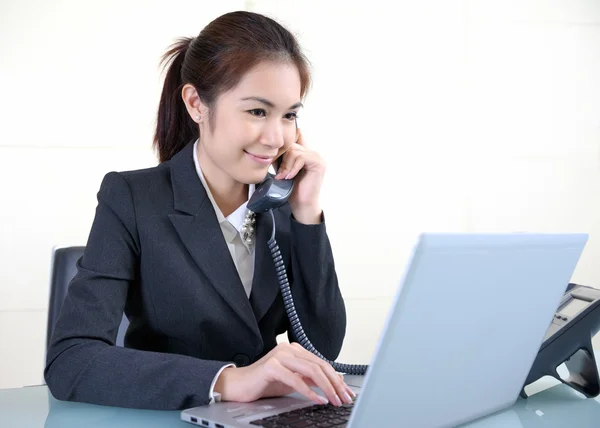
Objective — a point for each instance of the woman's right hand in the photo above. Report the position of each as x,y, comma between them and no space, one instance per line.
286,369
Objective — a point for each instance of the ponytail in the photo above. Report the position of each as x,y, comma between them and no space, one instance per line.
174,126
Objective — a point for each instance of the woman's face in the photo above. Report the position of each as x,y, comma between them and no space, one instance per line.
253,123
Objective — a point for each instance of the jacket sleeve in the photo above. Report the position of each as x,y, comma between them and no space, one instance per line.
315,290
82,363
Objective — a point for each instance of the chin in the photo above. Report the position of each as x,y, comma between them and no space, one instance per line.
253,178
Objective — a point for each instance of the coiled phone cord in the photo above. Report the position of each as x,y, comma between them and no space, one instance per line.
352,369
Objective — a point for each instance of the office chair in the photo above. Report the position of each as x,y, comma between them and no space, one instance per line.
64,268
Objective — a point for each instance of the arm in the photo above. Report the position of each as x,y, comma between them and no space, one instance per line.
317,297
82,362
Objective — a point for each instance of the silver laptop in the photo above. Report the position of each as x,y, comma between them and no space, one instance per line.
467,321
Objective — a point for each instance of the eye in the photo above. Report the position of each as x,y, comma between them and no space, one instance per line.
258,112
291,116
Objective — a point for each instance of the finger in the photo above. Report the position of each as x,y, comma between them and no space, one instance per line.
309,382
352,393
286,376
343,390
287,163
280,171
314,372
284,154
295,168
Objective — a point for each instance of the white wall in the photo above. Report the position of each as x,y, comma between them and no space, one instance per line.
476,116
80,85
469,115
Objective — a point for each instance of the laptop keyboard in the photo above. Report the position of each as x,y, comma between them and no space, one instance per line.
321,416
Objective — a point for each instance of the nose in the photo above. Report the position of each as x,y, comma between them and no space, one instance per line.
273,135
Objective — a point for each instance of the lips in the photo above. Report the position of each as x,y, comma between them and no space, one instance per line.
264,157
261,159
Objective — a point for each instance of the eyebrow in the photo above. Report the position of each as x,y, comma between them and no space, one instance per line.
269,103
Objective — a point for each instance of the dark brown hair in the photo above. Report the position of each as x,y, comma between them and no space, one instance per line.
214,62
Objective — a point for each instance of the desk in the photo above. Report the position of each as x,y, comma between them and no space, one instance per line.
34,407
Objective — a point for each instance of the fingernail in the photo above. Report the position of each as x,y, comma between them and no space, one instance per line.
323,399
338,401
348,398
287,177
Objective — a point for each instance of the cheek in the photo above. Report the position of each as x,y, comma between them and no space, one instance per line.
243,133
289,138
231,138
286,145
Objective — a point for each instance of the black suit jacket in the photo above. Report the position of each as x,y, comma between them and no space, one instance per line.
156,251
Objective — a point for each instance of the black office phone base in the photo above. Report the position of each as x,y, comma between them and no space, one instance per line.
583,370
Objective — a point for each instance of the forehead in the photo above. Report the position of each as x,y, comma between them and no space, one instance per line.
277,81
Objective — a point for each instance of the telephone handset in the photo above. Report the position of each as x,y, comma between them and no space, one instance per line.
271,193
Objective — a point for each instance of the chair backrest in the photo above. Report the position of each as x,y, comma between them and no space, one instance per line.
64,268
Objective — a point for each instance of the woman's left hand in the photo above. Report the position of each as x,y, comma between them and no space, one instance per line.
307,168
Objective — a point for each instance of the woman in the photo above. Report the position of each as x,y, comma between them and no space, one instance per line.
167,245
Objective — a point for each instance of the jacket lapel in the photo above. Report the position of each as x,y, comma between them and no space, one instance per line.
265,286
201,234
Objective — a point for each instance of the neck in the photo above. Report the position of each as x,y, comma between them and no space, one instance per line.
228,193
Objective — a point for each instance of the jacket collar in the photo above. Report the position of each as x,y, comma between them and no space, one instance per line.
200,232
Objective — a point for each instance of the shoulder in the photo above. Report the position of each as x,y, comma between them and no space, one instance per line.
156,182
137,185
147,177
139,178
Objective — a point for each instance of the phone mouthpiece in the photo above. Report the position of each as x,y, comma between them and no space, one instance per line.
270,194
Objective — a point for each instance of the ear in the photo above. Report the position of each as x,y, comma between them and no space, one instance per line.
193,104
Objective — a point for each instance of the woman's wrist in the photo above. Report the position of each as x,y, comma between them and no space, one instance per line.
308,214
225,384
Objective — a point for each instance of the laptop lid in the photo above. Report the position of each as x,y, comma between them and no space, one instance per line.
467,321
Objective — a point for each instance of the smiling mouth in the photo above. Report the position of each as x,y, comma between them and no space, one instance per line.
261,159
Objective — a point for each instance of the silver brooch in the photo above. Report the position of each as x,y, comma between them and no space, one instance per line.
249,227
